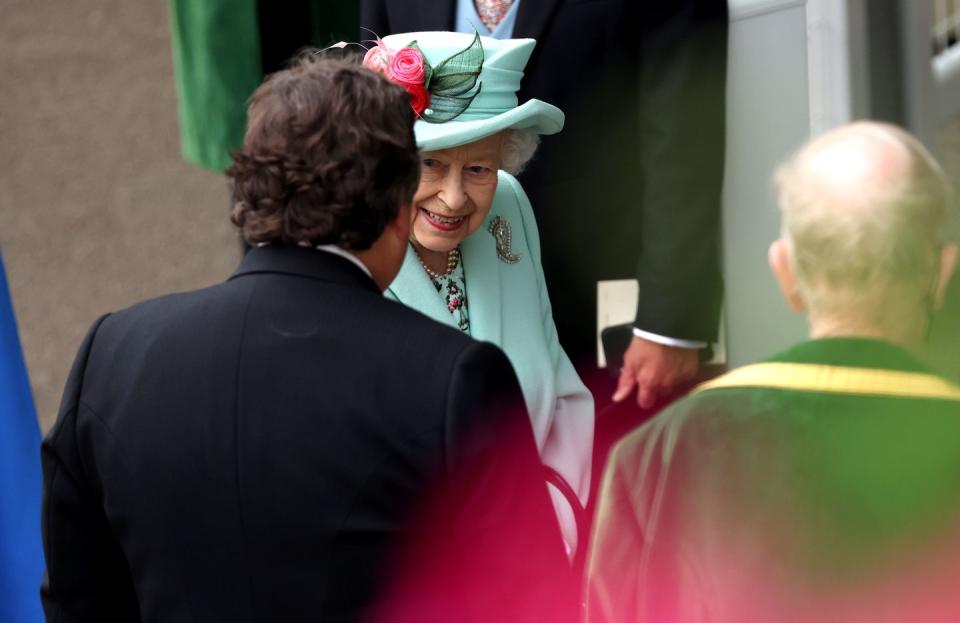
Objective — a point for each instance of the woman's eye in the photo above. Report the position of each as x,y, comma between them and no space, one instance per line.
431,169
479,171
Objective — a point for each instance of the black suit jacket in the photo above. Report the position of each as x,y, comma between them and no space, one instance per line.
283,447
631,187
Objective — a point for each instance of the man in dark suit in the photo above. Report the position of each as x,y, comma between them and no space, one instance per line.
631,187
290,445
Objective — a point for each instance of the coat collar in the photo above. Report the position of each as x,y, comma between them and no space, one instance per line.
303,262
852,352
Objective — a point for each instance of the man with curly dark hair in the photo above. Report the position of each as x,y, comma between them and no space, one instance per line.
329,157
290,445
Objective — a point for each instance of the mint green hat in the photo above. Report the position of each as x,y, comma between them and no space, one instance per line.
491,101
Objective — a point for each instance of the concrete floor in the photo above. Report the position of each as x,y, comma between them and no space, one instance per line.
98,208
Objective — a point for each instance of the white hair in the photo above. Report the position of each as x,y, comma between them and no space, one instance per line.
870,250
517,150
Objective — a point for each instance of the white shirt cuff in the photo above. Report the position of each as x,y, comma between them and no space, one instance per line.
668,341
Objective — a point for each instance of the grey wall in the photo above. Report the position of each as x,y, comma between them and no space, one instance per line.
97,208
768,116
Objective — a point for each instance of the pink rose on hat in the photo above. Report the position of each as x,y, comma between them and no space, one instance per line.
378,58
456,78
408,67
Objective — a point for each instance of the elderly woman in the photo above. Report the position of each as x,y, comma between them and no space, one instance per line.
474,255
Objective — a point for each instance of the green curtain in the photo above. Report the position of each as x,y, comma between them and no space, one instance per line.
217,65
216,62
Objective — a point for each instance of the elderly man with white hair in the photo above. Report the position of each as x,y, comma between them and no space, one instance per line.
824,483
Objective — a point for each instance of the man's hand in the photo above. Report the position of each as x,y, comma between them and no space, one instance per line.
655,370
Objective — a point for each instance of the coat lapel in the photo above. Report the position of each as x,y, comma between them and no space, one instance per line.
436,14
482,273
532,18
416,290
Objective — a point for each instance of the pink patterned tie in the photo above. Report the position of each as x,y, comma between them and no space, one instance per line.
492,12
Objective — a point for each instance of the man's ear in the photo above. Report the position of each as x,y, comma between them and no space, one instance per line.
400,226
948,262
782,267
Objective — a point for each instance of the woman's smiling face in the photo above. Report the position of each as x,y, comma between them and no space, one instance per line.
456,191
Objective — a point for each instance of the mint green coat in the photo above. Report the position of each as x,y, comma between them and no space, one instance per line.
508,306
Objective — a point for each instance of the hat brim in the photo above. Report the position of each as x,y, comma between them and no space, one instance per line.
535,115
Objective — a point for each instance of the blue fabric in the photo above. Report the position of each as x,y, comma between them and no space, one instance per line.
467,20
21,553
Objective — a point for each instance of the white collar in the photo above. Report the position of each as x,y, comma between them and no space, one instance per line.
332,248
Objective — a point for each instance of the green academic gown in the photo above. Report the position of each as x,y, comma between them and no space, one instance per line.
823,487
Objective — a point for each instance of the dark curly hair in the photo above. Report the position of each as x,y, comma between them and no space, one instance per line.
329,156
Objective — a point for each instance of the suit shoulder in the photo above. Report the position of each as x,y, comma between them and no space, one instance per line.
420,340
415,320
170,307
411,331
485,354
153,331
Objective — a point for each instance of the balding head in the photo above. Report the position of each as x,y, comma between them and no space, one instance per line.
864,208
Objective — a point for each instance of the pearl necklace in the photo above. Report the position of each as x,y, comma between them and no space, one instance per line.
453,258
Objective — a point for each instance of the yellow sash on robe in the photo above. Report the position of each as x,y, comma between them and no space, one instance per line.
837,380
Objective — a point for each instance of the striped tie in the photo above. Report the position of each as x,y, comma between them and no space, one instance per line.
492,12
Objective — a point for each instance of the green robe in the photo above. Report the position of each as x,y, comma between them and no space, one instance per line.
774,501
